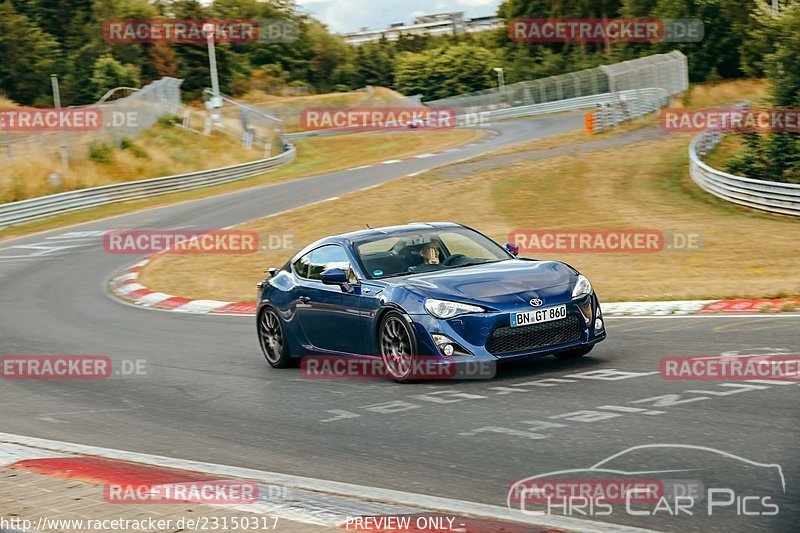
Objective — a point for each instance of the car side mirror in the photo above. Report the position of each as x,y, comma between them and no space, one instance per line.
336,276
333,276
271,271
513,249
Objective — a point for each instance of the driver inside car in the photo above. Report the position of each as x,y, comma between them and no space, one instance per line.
430,254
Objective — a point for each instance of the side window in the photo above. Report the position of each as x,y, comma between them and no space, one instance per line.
330,256
301,265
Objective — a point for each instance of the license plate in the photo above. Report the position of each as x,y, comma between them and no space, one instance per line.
547,314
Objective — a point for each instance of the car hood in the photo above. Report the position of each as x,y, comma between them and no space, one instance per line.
499,284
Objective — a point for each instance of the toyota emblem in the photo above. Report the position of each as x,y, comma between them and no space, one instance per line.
536,302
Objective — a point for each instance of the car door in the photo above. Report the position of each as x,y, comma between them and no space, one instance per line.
329,317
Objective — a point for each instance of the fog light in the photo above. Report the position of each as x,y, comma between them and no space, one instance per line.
598,325
448,346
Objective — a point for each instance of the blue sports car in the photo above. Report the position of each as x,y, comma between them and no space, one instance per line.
440,290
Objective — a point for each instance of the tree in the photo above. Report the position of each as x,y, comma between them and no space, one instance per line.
109,73
28,58
776,156
446,71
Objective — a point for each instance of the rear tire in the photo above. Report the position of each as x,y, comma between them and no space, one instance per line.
272,337
574,354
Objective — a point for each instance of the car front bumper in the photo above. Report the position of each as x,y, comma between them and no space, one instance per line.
478,334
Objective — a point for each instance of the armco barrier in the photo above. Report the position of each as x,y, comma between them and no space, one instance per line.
772,196
640,101
55,204
654,96
636,102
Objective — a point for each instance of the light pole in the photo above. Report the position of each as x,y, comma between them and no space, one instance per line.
216,100
501,82
57,105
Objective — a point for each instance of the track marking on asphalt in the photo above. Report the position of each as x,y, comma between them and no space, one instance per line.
362,496
676,327
77,235
745,327
51,417
41,250
404,402
545,429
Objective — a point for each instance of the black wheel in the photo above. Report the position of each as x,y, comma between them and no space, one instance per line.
574,354
398,346
272,339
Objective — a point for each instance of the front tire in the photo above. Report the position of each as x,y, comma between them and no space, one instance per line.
271,336
574,354
398,346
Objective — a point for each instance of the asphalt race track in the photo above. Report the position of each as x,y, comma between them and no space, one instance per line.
209,395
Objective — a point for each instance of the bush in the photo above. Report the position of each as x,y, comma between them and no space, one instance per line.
139,152
169,120
100,152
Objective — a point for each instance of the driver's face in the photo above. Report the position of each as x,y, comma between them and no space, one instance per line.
431,254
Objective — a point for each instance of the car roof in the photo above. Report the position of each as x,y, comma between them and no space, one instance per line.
369,233
360,235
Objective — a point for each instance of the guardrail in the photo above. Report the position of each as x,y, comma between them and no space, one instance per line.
651,94
641,101
629,104
55,204
771,196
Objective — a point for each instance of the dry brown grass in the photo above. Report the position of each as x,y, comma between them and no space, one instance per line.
744,254
726,92
381,94
317,155
5,103
162,150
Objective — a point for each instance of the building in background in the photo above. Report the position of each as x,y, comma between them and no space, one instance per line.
437,24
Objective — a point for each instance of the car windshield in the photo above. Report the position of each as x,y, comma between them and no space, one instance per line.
422,251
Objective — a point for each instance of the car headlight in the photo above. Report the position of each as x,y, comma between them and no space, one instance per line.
445,309
582,287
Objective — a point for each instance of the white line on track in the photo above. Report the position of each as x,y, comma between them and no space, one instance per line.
10,453
710,315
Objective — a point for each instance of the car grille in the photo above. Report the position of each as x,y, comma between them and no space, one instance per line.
510,340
